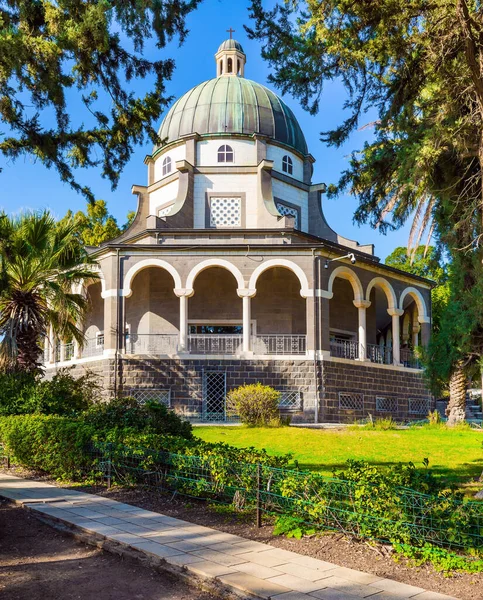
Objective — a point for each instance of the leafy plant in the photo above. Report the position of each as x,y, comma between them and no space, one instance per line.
64,394
442,560
126,414
256,404
292,527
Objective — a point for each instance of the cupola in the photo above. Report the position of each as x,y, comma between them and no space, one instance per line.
230,58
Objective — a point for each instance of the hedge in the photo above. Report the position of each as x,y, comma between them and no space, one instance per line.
52,444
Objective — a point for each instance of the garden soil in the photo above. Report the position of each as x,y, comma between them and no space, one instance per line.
37,562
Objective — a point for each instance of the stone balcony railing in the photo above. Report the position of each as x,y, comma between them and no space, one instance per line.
382,355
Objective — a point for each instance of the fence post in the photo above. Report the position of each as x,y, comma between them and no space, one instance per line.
8,461
109,465
259,507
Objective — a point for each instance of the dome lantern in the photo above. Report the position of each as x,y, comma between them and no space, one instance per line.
230,58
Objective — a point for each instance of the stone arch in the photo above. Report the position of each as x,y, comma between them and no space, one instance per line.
288,264
206,264
144,264
420,303
386,287
350,275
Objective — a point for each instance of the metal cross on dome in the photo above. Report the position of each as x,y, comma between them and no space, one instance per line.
230,31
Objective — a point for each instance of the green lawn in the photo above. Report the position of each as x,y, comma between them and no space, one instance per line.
455,454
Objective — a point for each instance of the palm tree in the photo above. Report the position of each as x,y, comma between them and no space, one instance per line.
40,262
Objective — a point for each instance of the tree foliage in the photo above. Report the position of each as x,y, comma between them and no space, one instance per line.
426,262
57,54
96,225
415,66
40,262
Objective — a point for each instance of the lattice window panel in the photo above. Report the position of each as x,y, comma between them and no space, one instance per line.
290,400
162,212
283,209
386,404
225,212
351,401
214,396
418,406
143,396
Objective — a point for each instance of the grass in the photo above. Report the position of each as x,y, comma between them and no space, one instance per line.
457,455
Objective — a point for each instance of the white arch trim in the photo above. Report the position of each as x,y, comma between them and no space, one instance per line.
145,264
346,273
418,298
305,290
386,288
81,287
213,262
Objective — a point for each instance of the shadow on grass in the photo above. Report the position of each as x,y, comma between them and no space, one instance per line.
462,473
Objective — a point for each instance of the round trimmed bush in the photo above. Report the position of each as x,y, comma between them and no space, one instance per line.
256,404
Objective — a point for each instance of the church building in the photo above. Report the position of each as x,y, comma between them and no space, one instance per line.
230,274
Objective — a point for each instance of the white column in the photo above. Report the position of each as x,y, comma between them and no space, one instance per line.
62,351
416,329
246,296
183,295
396,313
51,345
246,323
361,306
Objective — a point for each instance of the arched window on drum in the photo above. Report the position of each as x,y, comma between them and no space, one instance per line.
225,154
287,164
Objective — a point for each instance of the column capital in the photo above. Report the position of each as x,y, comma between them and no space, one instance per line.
246,292
424,319
188,292
361,303
395,312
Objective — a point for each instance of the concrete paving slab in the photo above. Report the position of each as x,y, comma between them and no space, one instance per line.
292,596
332,594
254,585
353,575
257,570
206,568
398,589
302,572
263,558
431,596
350,587
219,557
313,563
155,549
297,583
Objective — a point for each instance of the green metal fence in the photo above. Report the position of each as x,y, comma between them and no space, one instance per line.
380,512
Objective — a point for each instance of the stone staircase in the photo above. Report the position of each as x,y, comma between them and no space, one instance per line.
473,410
474,414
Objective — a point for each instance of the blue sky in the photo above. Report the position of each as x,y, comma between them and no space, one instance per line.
25,184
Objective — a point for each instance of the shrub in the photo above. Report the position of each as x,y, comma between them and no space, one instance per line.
64,394
52,444
15,392
256,404
127,414
23,393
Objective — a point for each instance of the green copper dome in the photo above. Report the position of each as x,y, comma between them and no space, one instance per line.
230,44
231,104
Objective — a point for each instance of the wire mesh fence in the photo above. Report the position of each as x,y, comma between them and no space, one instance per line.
379,512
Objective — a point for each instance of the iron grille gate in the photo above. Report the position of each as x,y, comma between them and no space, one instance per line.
214,395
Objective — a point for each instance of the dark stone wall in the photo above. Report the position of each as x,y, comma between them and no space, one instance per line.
359,383
404,392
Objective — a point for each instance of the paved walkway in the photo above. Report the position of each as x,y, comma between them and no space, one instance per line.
240,565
